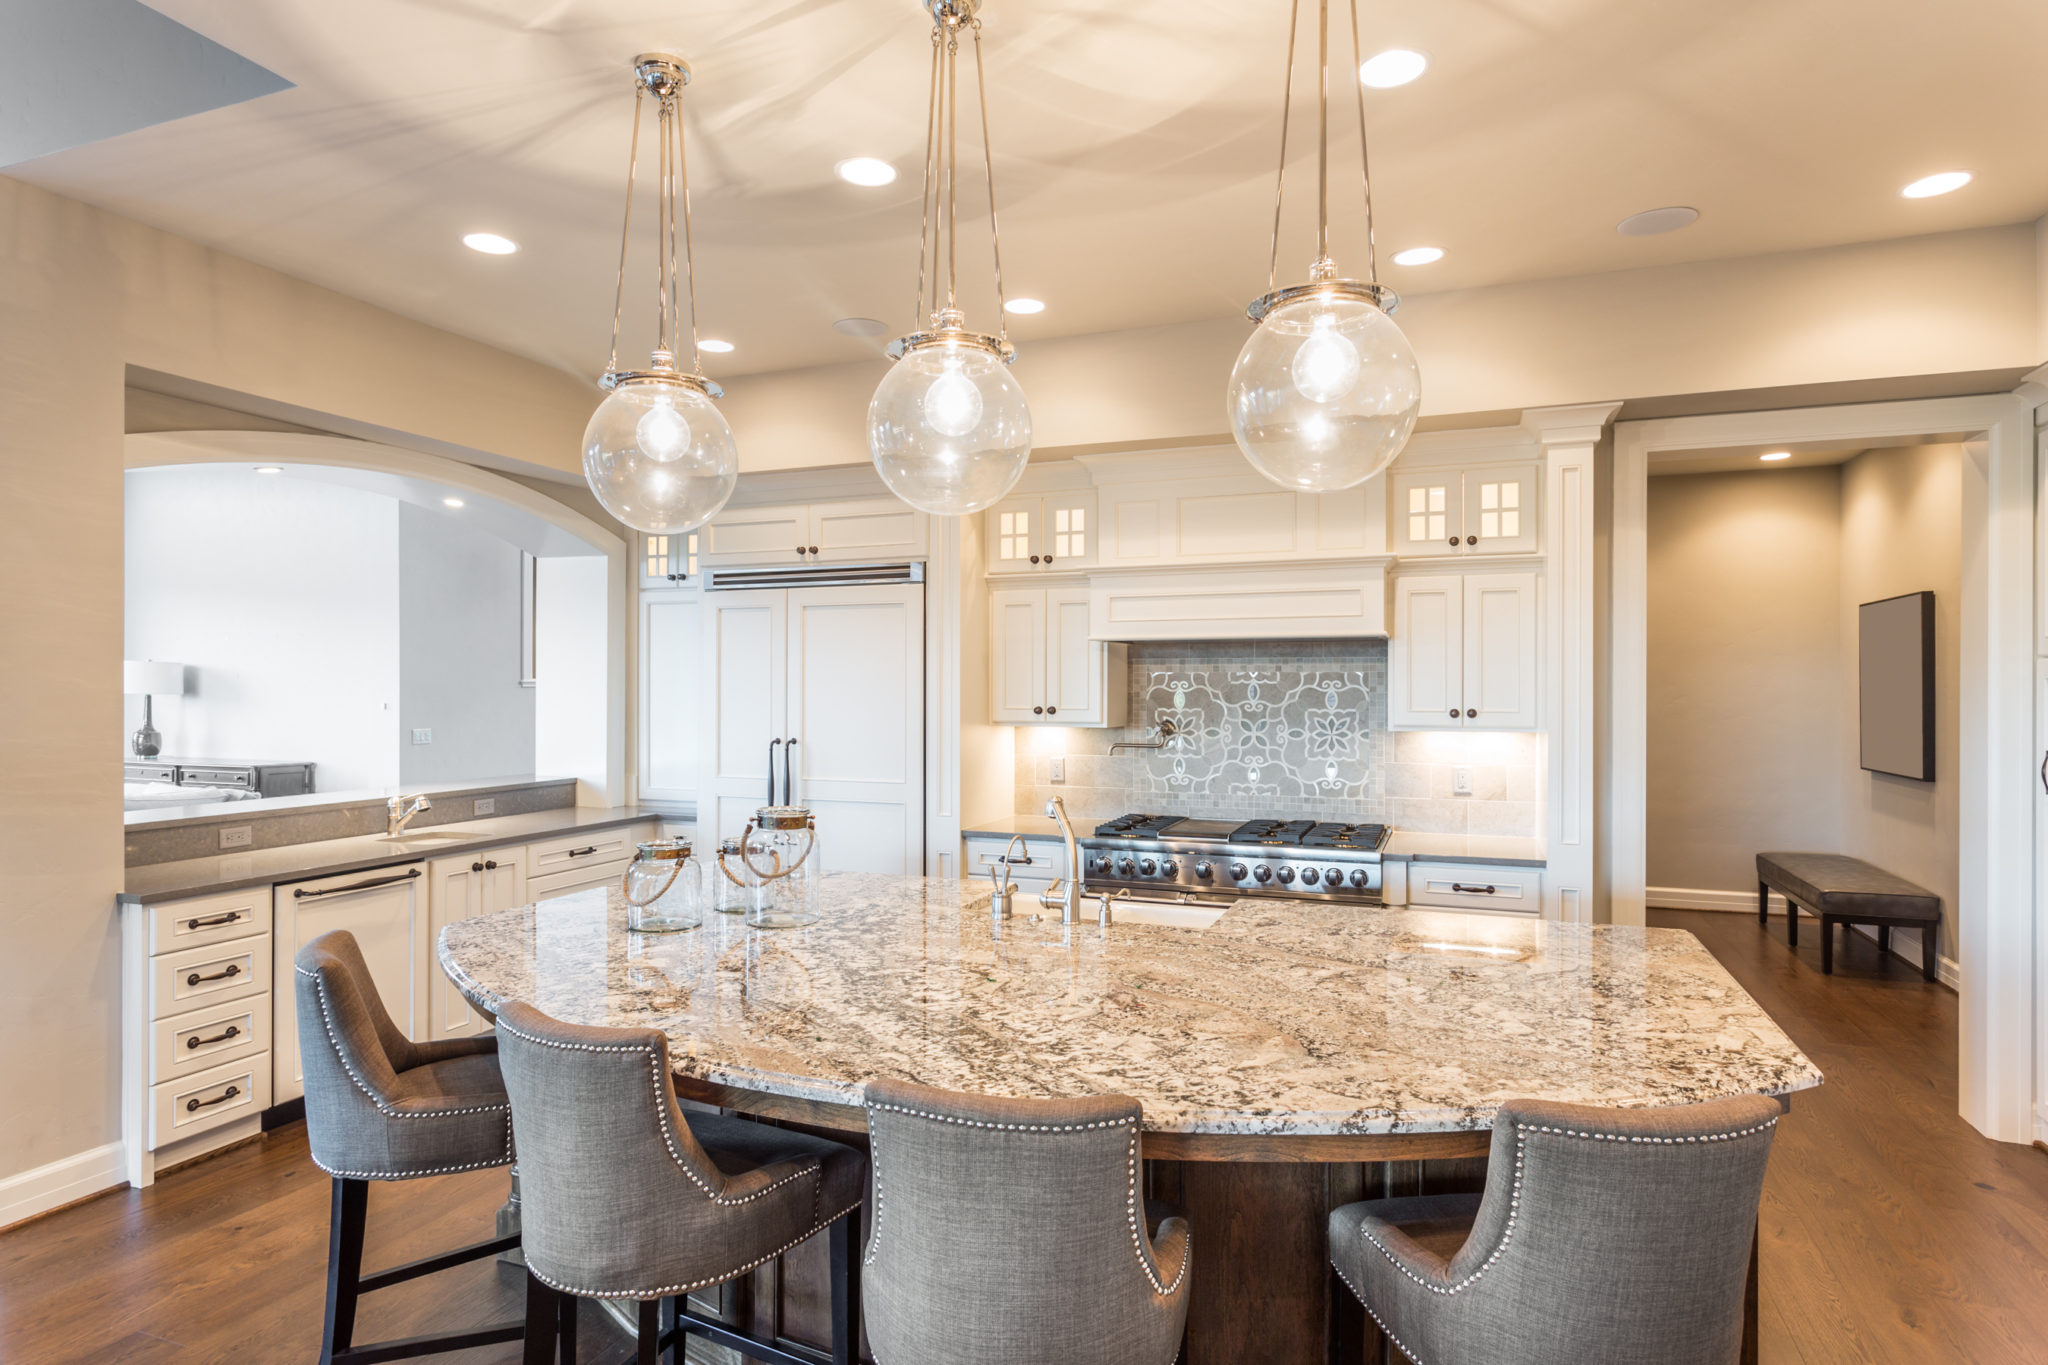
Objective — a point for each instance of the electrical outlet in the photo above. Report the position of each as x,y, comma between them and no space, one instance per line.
486,805
1059,770
1461,781
237,836
423,736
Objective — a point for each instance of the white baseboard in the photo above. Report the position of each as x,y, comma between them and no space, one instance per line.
1744,902
60,1182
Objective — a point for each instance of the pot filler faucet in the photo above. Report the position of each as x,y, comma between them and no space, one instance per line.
400,809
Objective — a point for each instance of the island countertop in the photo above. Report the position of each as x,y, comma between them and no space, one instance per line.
1281,1018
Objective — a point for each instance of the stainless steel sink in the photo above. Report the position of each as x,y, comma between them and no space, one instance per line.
425,836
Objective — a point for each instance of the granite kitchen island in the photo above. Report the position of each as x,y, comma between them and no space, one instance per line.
1290,1057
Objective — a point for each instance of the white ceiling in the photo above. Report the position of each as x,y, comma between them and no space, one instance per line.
1135,146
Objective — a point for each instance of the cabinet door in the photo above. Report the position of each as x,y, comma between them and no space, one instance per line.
1500,510
866,529
1067,530
1427,504
455,891
757,535
666,561
1425,658
1016,654
856,712
1074,664
669,721
1012,530
1500,651
390,924
743,666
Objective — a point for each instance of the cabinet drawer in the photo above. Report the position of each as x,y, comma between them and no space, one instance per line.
213,1035
575,879
210,919
586,849
1048,861
208,1099
216,777
209,975
149,772
1452,886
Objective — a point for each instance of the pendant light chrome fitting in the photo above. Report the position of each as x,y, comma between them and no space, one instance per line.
657,453
949,428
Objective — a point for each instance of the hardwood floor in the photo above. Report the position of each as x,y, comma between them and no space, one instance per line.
1892,1234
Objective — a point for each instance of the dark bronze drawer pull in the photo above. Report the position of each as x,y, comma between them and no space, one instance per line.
207,923
193,1106
301,893
1473,890
234,969
582,852
232,1031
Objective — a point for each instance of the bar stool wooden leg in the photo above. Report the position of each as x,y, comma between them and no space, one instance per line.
543,1308
845,1244
344,1265
566,1312
649,1352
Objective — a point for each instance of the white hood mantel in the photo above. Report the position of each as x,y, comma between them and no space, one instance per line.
1290,601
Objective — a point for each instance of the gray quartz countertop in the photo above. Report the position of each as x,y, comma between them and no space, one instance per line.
1284,1017
297,862
1489,850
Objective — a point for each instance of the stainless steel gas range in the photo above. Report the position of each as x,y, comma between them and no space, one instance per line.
1174,858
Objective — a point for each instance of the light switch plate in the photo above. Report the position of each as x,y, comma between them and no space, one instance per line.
1461,781
237,836
1059,770
423,736
486,805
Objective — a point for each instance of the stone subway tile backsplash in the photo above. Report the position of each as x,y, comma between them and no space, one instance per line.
1287,727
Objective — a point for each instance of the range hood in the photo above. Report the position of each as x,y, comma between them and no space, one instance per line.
1268,602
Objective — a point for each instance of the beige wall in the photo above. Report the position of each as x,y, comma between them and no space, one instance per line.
1942,304
1745,672
1902,524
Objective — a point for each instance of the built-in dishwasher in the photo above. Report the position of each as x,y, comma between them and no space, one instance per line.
386,909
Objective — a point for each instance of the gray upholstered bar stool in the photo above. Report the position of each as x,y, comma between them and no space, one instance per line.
1012,1232
623,1195
1604,1237
382,1107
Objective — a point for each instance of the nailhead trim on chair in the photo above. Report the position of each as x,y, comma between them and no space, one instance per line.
668,1137
1385,1331
667,1290
327,1021
1131,1197
1515,1196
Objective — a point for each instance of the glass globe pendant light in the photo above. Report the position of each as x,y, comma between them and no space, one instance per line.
949,429
1325,392
657,453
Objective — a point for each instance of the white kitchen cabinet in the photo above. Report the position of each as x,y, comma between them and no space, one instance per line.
1234,518
1461,886
850,530
668,561
1463,652
824,684
386,909
477,884
1478,510
669,726
1045,669
1048,864
1042,533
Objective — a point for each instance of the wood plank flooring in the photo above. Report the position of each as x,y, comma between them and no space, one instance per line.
1892,1234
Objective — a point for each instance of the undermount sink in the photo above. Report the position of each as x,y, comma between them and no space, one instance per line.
425,836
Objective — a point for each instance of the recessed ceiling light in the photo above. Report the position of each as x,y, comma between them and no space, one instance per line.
1419,255
865,170
715,346
451,502
1652,222
1928,186
1395,66
269,469
860,327
490,243
1026,306
1776,455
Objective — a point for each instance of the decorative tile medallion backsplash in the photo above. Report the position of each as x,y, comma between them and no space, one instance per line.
1290,727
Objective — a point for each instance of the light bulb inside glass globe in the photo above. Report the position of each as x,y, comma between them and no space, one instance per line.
661,431
659,455
949,429
1325,392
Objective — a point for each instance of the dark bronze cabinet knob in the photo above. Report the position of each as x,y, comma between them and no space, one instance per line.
1454,713
1454,542
476,867
1471,540
814,549
490,865
1048,559
1034,559
1471,714
1038,710
800,549
1052,710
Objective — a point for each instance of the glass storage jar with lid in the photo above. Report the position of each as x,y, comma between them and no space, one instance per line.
664,888
732,886
780,852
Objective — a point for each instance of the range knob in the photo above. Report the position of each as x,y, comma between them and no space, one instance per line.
1126,866
1286,875
1148,867
1204,871
1309,876
1359,877
1335,877
1263,873
1238,871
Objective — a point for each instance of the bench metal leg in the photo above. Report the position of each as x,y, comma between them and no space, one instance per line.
1827,946
1791,921
1763,903
1930,960
1884,939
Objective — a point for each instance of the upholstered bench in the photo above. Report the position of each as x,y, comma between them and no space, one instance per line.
1845,890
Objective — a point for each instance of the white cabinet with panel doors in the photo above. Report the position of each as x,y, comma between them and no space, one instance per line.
1447,510
670,636
473,884
816,695
1044,669
1042,533
849,530
1463,652
668,561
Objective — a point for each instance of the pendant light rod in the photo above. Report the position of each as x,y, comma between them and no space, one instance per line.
1323,268
1322,131
926,204
1372,268
988,162
625,232
662,76
938,242
1286,117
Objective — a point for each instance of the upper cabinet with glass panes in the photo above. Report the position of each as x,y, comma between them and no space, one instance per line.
668,561
1445,510
1041,533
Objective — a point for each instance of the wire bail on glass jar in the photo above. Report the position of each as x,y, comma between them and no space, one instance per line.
663,887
